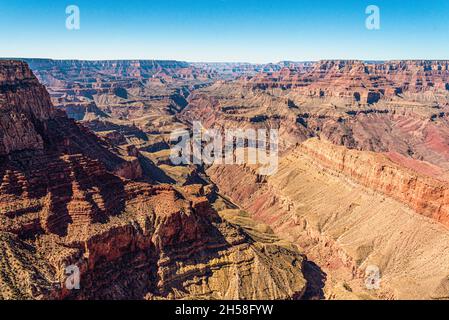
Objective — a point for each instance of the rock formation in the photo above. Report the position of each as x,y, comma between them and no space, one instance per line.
357,81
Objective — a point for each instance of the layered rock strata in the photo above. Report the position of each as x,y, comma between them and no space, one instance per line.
348,210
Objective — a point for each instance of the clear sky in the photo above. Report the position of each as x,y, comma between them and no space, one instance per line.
225,30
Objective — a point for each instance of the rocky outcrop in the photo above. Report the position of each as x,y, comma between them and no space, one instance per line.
23,103
22,92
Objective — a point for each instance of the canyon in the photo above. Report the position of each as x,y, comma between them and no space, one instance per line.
86,180
69,198
348,210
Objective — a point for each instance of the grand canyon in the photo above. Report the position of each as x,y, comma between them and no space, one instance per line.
86,180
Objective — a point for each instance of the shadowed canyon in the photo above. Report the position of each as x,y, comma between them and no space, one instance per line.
86,180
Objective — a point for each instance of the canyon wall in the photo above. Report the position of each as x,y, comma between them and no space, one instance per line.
348,210
358,81
426,195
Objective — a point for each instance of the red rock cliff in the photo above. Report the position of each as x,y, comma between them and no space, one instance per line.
425,195
24,102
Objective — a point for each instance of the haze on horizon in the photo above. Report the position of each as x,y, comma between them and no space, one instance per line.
225,30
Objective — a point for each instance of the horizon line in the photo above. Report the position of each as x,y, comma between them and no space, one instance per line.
220,62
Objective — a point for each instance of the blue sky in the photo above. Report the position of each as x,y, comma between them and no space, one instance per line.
225,30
